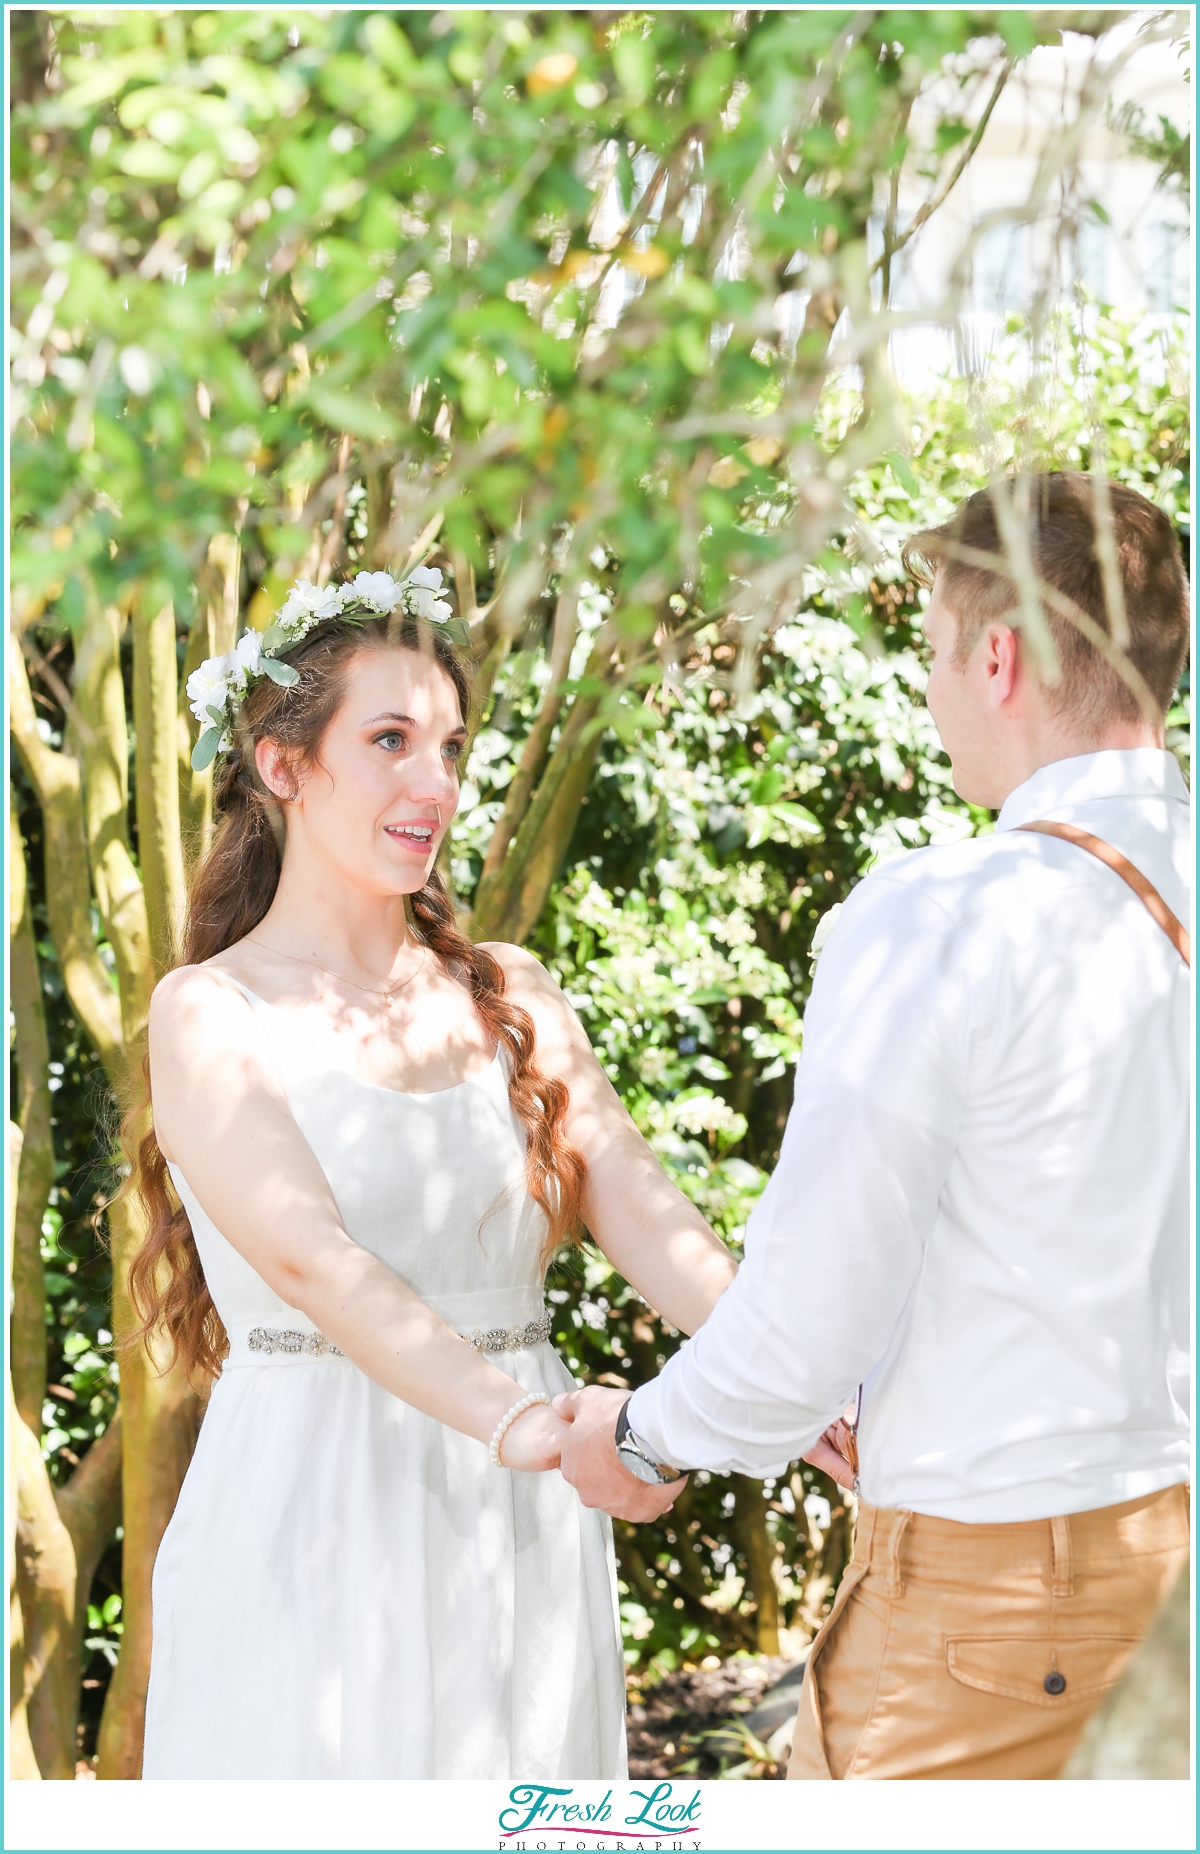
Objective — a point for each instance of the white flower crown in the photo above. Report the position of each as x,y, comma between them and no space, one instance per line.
220,683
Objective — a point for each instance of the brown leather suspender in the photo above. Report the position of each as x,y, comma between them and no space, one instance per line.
1145,891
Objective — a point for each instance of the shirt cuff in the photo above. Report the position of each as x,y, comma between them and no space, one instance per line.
694,1444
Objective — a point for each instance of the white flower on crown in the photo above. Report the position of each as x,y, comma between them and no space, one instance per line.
246,659
378,590
422,604
306,604
420,587
208,687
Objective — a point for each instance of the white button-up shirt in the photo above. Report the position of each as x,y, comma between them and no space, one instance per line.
981,1204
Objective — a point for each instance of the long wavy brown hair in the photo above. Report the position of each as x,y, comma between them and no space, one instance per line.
231,892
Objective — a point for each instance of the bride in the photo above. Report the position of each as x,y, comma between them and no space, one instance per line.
377,1134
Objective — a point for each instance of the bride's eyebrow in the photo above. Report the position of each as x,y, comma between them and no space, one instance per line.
405,720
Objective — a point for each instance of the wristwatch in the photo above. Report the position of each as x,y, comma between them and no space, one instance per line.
635,1456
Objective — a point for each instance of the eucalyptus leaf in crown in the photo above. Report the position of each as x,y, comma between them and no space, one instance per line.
215,689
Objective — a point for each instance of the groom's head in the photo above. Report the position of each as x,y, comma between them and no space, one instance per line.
1002,704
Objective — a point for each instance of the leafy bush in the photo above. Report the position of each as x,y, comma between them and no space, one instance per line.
711,846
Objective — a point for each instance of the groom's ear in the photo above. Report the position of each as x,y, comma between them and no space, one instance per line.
1001,662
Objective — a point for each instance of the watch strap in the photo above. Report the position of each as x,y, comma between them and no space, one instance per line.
625,1435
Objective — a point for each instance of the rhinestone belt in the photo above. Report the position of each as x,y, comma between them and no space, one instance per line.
510,1338
316,1345
275,1339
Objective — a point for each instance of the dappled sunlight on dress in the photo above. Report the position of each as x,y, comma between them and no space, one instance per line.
348,1588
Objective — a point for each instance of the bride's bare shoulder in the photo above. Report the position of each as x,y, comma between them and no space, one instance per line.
190,994
523,970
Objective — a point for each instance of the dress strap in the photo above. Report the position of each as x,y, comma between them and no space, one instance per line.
1145,891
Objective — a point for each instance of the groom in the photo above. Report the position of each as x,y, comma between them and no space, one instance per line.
980,1212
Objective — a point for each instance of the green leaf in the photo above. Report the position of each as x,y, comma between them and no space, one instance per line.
633,61
344,411
285,674
216,714
903,472
149,161
205,750
389,46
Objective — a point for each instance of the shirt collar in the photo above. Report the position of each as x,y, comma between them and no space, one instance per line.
1117,772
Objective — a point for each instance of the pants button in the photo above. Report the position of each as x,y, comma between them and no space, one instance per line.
1055,1683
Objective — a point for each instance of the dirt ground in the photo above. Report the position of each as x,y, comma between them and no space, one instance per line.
667,1721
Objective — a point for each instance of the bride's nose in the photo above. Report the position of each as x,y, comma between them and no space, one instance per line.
432,780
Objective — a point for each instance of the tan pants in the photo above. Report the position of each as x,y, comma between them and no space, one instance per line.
981,1651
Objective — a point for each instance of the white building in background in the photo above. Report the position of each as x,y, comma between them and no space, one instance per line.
1106,223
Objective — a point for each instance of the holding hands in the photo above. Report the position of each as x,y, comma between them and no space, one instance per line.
592,1466
586,1422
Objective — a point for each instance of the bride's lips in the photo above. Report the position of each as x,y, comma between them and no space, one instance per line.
413,835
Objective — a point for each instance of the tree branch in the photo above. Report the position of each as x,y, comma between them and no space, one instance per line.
537,742
90,1508
750,1530
46,1581
22,1764
56,780
160,845
99,738
508,904
35,1175
890,247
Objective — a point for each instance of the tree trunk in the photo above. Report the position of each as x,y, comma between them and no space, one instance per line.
750,1530
35,1174
1143,1729
90,1505
537,744
379,517
99,738
509,903
160,1416
156,721
22,1765
61,1537
46,1581
57,782
213,634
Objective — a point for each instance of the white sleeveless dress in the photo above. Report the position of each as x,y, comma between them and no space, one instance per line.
348,1588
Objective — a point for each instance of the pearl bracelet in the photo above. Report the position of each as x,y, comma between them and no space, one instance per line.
508,1419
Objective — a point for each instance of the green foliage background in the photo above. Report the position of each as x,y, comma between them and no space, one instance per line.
708,850
252,244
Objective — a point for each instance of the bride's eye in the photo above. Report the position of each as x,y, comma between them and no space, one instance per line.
391,742
453,750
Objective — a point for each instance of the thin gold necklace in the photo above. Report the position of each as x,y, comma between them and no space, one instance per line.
387,995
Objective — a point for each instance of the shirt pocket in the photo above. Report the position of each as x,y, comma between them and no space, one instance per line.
1038,1669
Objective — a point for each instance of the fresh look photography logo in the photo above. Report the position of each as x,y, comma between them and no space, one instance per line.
542,1815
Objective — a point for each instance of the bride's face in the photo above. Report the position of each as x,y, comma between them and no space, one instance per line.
373,808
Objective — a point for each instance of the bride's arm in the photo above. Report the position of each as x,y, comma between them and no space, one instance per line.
221,1115
642,1222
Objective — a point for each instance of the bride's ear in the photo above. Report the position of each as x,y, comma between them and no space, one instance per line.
275,770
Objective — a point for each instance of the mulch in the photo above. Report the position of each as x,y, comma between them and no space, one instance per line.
666,1721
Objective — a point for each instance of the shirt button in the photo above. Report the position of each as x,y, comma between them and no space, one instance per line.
1055,1683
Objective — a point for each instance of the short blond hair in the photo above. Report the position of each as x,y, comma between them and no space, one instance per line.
1062,537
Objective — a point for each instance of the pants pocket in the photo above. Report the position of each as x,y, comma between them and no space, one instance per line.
809,1757
1054,1672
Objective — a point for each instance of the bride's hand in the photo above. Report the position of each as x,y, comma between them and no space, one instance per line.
533,1441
